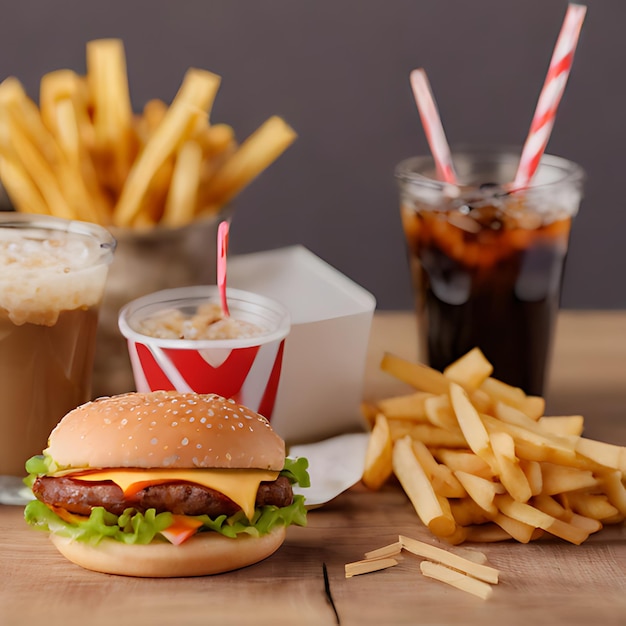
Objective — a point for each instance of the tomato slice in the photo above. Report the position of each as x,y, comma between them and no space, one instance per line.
181,529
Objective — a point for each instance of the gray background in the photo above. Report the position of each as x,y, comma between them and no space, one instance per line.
337,70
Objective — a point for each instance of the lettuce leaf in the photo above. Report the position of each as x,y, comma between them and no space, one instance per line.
296,471
133,527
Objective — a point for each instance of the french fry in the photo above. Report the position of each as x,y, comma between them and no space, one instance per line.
467,513
66,85
421,377
254,155
432,436
561,479
456,579
520,531
464,461
549,505
419,490
562,425
438,411
471,424
194,98
378,456
532,406
391,550
180,205
20,186
534,476
410,406
480,490
613,487
368,566
41,173
532,445
528,514
478,571
154,111
113,116
216,139
443,480
469,371
606,454
594,506
511,474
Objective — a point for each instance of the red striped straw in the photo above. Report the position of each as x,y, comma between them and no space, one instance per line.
550,96
432,126
222,250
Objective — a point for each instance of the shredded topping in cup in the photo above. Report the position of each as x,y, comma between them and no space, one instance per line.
207,323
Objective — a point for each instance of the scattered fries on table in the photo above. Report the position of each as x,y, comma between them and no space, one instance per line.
467,572
84,154
480,462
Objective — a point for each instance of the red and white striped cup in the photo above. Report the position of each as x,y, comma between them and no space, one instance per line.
246,369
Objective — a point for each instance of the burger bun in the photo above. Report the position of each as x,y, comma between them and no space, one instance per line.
204,554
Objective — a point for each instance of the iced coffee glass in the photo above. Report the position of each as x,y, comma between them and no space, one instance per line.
487,261
52,279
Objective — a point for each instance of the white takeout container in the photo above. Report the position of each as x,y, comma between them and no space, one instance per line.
321,385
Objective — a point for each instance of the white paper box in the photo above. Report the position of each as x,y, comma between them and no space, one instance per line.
321,386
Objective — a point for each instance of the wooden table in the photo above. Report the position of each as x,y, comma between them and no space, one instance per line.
549,582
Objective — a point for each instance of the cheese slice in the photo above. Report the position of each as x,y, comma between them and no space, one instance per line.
240,485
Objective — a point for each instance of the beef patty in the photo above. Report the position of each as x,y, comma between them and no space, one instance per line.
177,497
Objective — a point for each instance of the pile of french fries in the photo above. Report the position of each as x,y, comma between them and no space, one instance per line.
84,154
480,461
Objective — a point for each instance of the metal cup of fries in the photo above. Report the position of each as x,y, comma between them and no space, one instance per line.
161,179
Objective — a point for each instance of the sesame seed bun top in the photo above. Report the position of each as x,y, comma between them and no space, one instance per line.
165,429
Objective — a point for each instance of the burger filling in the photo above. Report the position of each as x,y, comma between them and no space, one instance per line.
172,510
181,498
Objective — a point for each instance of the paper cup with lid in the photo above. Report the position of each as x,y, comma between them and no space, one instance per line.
178,339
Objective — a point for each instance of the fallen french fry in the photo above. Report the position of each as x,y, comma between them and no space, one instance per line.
456,579
478,571
391,550
367,566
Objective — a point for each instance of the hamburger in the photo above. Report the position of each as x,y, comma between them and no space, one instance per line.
165,484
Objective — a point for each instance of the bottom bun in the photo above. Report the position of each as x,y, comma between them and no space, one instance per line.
203,554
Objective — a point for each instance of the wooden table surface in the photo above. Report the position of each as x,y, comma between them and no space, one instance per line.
549,582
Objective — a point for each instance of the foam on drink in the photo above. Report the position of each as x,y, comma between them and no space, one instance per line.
45,272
